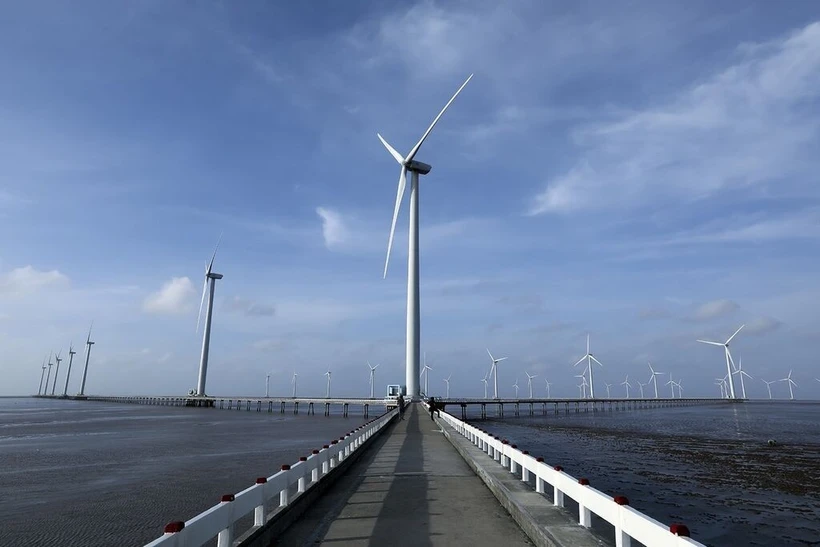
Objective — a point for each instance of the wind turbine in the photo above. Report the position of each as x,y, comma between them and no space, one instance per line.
590,358
494,369
447,381
42,375
529,381
327,396
48,376
791,383
372,377
515,385
654,379
56,373
71,353
628,385
769,386
548,388
680,389
415,168
742,373
293,381
583,384
426,373
88,344
608,385
729,361
210,278
671,382
267,385
640,385
719,383
484,380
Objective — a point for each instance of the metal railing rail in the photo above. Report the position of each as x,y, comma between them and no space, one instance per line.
629,523
220,520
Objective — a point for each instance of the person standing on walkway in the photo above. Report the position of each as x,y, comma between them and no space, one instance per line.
400,403
433,407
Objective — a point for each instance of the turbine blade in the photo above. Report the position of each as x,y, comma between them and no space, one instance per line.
491,355
211,263
735,334
596,360
500,359
87,340
201,303
415,149
711,343
581,360
393,151
399,196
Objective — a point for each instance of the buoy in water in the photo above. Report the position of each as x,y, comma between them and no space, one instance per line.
772,442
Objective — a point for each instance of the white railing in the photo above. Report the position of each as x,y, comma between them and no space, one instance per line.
220,520
629,523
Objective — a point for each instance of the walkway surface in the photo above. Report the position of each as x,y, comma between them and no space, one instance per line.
410,488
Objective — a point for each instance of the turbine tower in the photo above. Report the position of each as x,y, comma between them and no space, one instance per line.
56,373
328,384
48,376
494,369
293,381
590,358
71,353
529,381
210,278
740,372
483,380
628,385
42,375
769,386
654,379
548,388
729,361
608,386
447,381
372,377
267,385
515,385
426,372
88,344
415,168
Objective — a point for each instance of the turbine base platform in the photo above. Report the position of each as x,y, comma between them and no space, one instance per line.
199,402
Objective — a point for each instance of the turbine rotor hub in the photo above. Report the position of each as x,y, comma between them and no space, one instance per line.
418,167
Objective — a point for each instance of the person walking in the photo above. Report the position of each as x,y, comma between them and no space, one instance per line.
400,403
433,407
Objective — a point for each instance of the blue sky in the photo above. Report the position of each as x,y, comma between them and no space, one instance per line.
647,174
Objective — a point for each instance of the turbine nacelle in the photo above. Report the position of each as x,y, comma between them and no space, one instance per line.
418,167
214,276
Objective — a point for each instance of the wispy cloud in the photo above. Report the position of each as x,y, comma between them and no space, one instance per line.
714,136
25,280
714,309
249,307
175,297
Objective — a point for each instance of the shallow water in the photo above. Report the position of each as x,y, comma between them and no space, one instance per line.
709,467
88,473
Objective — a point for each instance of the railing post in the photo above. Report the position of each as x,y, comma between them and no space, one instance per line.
525,473
314,474
326,460
225,537
622,539
284,494
301,486
584,515
539,480
259,510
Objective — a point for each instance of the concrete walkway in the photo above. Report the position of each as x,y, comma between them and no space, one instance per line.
411,488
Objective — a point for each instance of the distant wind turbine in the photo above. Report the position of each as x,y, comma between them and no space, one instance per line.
267,385
769,386
88,344
48,376
426,371
71,354
729,361
515,385
416,168
640,385
210,278
494,371
608,386
719,383
56,373
654,378
328,373
372,377
583,384
447,381
742,373
548,388
293,381
589,358
529,381
671,382
484,380
42,375
791,383
628,385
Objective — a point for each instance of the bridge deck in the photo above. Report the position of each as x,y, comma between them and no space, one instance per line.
413,489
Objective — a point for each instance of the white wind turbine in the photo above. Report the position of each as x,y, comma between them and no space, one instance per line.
640,385
48,376
654,379
372,377
680,388
791,383
590,358
88,344
548,388
267,385
210,279
742,373
628,385
56,372
447,381
769,386
328,374
426,371
719,383
583,384
494,372
729,361
671,382
608,386
415,168
515,385
42,376
529,381
71,354
484,380
293,381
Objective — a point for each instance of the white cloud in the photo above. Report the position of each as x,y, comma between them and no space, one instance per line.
165,357
716,135
249,307
334,230
25,280
715,308
175,297
762,325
